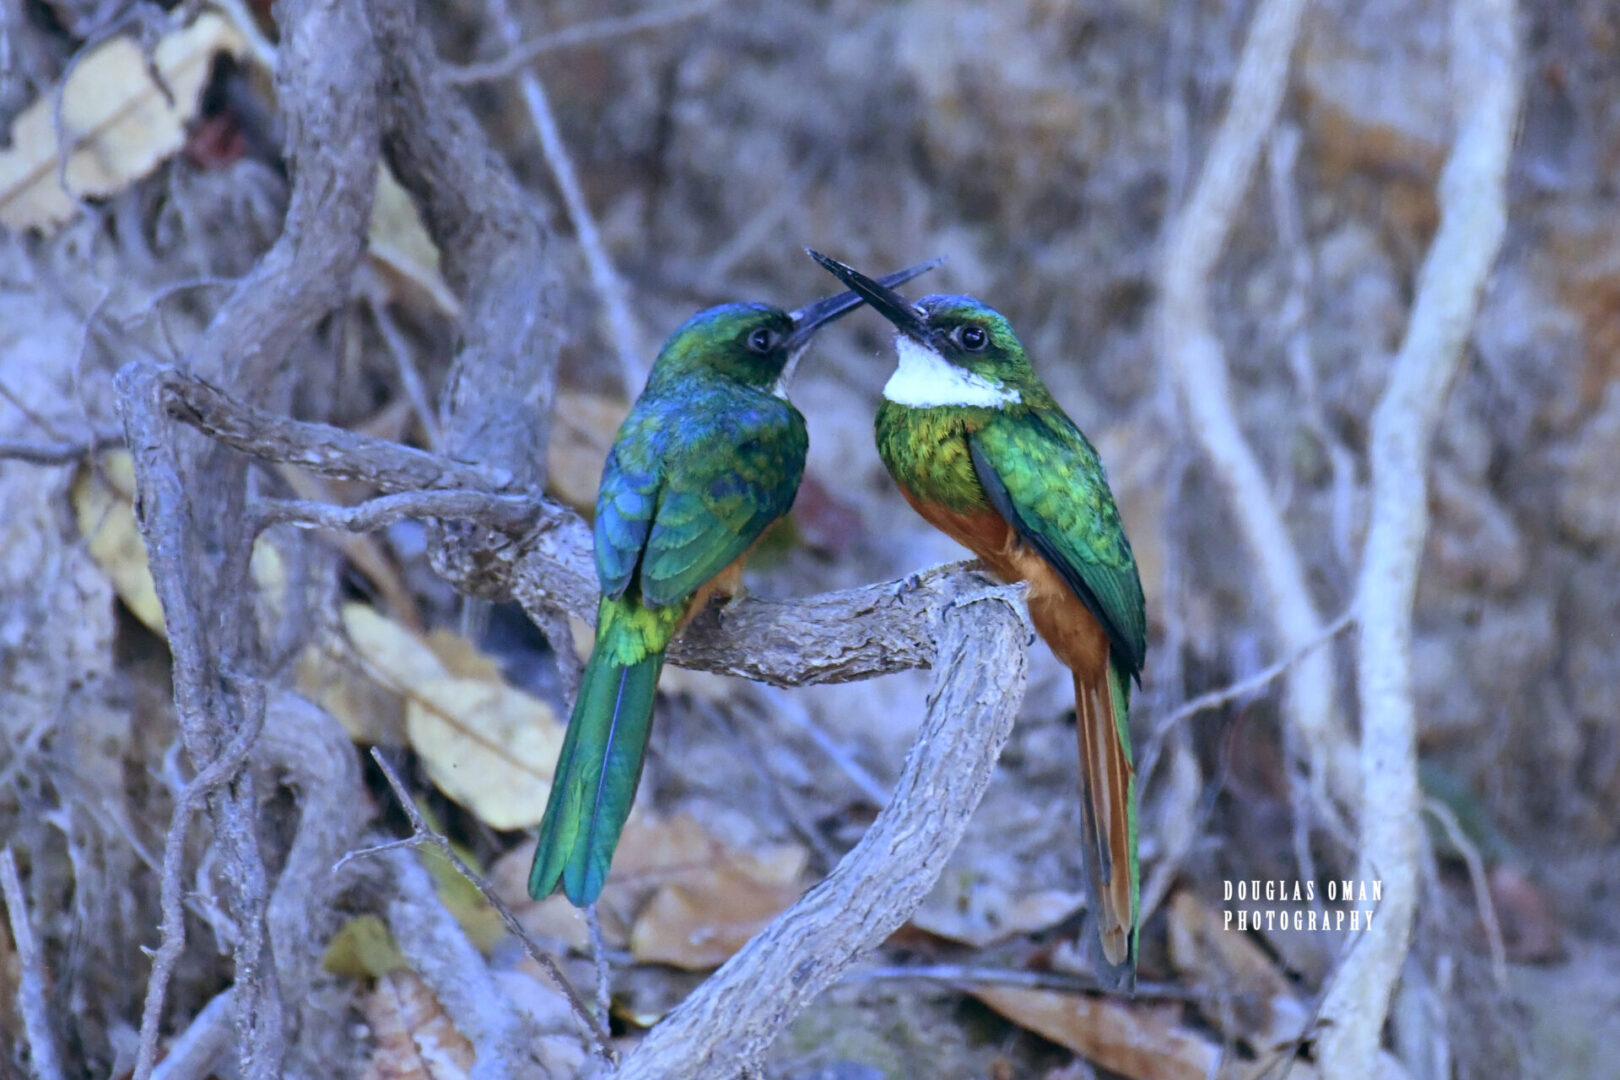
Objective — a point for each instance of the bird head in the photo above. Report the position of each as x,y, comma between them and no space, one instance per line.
756,344
953,350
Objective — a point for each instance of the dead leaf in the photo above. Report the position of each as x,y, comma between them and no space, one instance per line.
700,924
489,746
394,655
1250,999
582,430
675,894
1530,930
333,678
402,248
1142,1041
414,1038
461,657
713,898
978,911
363,948
103,505
124,123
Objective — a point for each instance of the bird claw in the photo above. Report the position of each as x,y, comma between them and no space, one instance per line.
910,583
730,604
914,580
1015,594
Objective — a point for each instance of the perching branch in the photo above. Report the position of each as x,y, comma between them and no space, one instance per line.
834,637
729,1022
1473,217
1197,365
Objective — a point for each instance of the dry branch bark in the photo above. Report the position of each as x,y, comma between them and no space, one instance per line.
834,637
192,492
497,403
437,949
43,1059
727,1025
1473,218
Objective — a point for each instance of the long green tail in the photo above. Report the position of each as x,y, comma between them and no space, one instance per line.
597,772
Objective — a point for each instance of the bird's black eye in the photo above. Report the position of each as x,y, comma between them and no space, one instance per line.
762,340
972,337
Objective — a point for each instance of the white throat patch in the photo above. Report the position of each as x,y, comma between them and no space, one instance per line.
925,379
781,387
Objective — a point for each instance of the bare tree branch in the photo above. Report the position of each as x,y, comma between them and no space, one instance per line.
56,453
497,401
525,53
508,513
192,492
1473,217
422,835
729,1022
1197,365
42,1057
194,1054
320,448
305,748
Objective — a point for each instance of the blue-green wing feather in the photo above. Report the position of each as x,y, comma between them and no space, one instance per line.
734,472
1042,475
625,505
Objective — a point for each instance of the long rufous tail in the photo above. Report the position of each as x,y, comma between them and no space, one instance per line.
1108,813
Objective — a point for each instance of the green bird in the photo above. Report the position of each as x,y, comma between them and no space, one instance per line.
710,456
979,448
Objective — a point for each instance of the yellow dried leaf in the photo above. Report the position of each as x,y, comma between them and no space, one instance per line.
395,655
700,924
363,948
103,505
333,678
461,657
489,747
414,1039
123,122
400,244
1138,1040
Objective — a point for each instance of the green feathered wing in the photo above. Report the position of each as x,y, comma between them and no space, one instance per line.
697,473
1043,476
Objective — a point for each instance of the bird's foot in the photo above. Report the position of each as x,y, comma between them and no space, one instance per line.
916,579
1016,595
734,598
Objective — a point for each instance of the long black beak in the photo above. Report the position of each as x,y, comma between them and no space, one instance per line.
812,317
884,300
